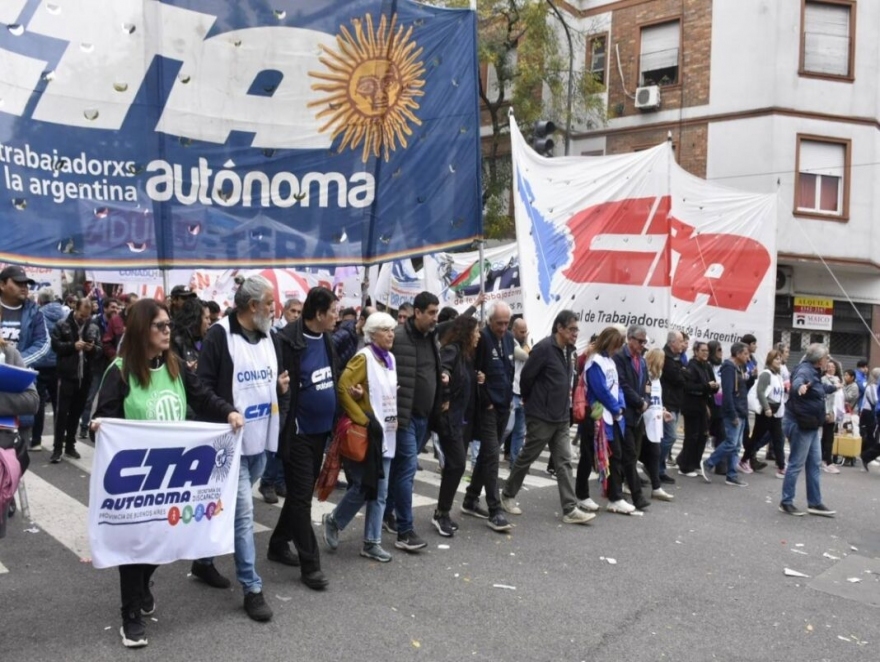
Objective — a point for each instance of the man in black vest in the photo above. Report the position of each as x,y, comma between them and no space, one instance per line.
419,392
494,359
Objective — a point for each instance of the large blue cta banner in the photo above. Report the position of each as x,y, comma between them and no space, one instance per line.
197,133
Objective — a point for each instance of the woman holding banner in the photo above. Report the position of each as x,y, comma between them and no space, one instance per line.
144,367
367,391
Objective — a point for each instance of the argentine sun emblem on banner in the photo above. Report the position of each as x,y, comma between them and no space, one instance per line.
193,133
161,492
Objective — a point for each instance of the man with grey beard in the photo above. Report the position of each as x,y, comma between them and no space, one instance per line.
239,363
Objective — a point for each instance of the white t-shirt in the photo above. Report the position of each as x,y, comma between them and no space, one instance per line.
654,413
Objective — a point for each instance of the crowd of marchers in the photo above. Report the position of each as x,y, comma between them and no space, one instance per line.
427,375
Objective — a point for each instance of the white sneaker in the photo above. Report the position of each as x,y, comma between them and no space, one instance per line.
745,467
830,469
578,516
588,505
508,505
622,507
689,474
661,495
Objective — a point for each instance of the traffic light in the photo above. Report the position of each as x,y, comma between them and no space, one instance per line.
541,140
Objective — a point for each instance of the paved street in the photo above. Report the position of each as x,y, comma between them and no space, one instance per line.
698,579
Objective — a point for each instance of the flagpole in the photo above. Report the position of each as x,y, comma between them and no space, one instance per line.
480,244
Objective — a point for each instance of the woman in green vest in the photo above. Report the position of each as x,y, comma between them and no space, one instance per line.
148,382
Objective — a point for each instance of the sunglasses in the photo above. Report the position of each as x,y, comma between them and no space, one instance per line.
162,327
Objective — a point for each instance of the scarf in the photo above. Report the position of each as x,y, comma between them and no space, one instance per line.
383,355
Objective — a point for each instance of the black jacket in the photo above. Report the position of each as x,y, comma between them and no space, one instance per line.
64,337
632,385
807,410
547,380
697,392
673,380
460,392
114,389
290,344
499,368
404,350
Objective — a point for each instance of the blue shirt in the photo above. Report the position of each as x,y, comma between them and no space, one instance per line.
317,392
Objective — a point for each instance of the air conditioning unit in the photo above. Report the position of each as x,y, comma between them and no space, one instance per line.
648,98
783,280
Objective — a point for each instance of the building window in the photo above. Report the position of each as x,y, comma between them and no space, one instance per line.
822,185
827,38
597,57
659,54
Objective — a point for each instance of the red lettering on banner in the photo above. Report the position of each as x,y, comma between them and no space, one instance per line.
629,242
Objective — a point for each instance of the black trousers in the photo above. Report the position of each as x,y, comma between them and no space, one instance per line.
868,432
72,395
302,464
631,447
622,465
827,442
134,580
696,430
763,425
492,424
586,440
47,387
455,458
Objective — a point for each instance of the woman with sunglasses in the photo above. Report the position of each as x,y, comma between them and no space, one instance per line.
144,367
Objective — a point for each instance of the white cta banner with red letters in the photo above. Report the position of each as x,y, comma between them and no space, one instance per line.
162,491
634,239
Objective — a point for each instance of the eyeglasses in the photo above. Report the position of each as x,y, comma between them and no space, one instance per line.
163,327
641,341
572,329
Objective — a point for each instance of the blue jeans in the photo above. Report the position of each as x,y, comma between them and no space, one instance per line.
245,551
805,448
274,473
669,432
730,447
518,436
403,470
351,503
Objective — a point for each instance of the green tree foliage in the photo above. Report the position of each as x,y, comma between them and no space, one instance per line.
524,44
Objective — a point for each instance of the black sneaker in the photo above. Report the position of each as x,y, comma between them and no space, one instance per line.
148,604
281,491
283,555
209,574
498,522
133,631
409,541
474,510
315,580
667,480
757,465
72,454
269,494
736,482
256,607
789,509
443,524
56,459
389,524
821,510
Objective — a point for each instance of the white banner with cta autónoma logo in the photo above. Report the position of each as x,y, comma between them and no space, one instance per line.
162,491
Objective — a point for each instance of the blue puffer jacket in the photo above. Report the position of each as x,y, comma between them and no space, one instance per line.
53,313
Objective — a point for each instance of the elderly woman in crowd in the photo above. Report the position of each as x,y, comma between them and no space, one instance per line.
699,399
367,392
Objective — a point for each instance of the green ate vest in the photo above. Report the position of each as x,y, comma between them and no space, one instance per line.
163,400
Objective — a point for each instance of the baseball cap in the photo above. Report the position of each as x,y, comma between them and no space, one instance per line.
17,274
181,291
